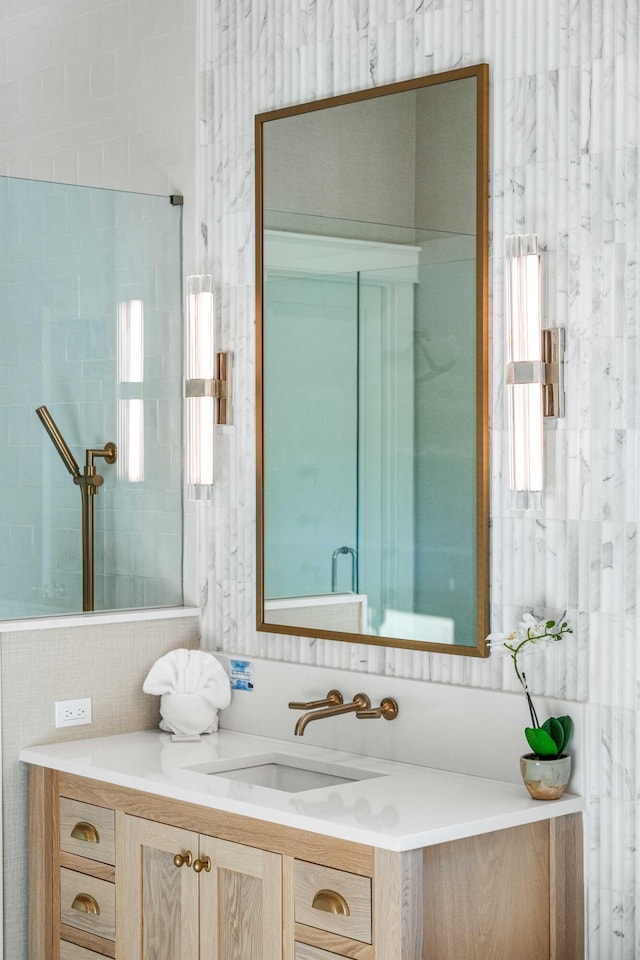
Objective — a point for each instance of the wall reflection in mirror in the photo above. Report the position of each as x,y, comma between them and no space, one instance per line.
371,357
91,318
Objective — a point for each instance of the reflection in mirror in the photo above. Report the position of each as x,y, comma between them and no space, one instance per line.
372,427
91,329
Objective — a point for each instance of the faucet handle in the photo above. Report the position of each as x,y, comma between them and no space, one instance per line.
333,697
388,709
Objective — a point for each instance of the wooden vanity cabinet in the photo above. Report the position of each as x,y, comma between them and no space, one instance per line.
265,892
231,907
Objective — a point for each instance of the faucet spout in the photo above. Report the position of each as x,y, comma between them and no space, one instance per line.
360,702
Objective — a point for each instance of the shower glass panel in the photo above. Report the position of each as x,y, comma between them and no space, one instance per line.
90,323
368,448
310,489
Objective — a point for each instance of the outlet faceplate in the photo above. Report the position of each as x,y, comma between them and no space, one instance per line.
73,713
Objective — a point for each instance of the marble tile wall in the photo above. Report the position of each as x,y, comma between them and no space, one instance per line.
564,163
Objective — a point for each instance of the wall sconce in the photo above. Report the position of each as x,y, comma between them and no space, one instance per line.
206,386
534,372
130,373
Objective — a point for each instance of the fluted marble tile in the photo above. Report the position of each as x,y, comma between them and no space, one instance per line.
565,86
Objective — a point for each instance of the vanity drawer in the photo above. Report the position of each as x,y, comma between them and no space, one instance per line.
71,951
332,900
87,830
304,951
95,904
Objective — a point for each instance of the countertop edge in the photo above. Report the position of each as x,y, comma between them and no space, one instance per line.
531,811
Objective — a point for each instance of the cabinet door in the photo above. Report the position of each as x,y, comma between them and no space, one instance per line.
240,903
157,901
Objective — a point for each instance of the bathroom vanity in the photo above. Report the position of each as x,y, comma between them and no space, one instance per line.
181,851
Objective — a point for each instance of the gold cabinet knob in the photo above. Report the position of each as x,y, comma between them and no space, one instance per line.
202,864
182,859
85,903
331,902
85,831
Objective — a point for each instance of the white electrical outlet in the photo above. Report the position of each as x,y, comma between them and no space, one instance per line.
73,713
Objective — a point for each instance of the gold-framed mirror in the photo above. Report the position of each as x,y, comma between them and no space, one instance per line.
371,366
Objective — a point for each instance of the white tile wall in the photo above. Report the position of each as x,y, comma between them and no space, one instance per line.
103,94
565,82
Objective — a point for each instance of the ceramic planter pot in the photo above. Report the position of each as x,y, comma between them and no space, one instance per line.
545,779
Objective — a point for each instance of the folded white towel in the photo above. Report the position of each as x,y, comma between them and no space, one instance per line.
193,686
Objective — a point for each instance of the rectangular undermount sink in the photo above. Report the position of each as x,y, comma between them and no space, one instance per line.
287,773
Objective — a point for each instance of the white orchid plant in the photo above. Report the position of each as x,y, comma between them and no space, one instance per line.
551,739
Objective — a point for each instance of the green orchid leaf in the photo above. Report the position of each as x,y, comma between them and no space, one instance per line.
556,731
567,726
550,623
540,742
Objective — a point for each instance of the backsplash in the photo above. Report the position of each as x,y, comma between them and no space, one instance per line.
436,726
564,163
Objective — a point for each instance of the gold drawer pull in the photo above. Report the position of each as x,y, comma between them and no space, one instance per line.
331,902
85,903
85,831
182,859
204,864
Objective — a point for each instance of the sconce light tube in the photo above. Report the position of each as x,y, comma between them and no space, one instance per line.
534,370
130,373
206,385
130,341
524,346
131,439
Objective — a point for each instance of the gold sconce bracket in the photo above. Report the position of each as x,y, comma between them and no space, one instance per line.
549,371
219,388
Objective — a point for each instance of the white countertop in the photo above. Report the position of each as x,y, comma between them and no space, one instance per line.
405,808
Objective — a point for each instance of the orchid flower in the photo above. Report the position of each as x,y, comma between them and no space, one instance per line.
552,737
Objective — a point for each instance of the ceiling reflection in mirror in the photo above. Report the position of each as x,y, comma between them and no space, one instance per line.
372,499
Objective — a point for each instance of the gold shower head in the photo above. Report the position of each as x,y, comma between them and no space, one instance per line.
58,441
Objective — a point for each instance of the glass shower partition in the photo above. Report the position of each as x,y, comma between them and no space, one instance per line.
90,320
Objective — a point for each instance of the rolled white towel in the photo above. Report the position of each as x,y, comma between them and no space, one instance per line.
192,686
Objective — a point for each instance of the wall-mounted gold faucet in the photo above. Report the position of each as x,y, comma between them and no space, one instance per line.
333,706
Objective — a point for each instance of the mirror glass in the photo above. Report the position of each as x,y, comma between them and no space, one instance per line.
372,380
90,323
